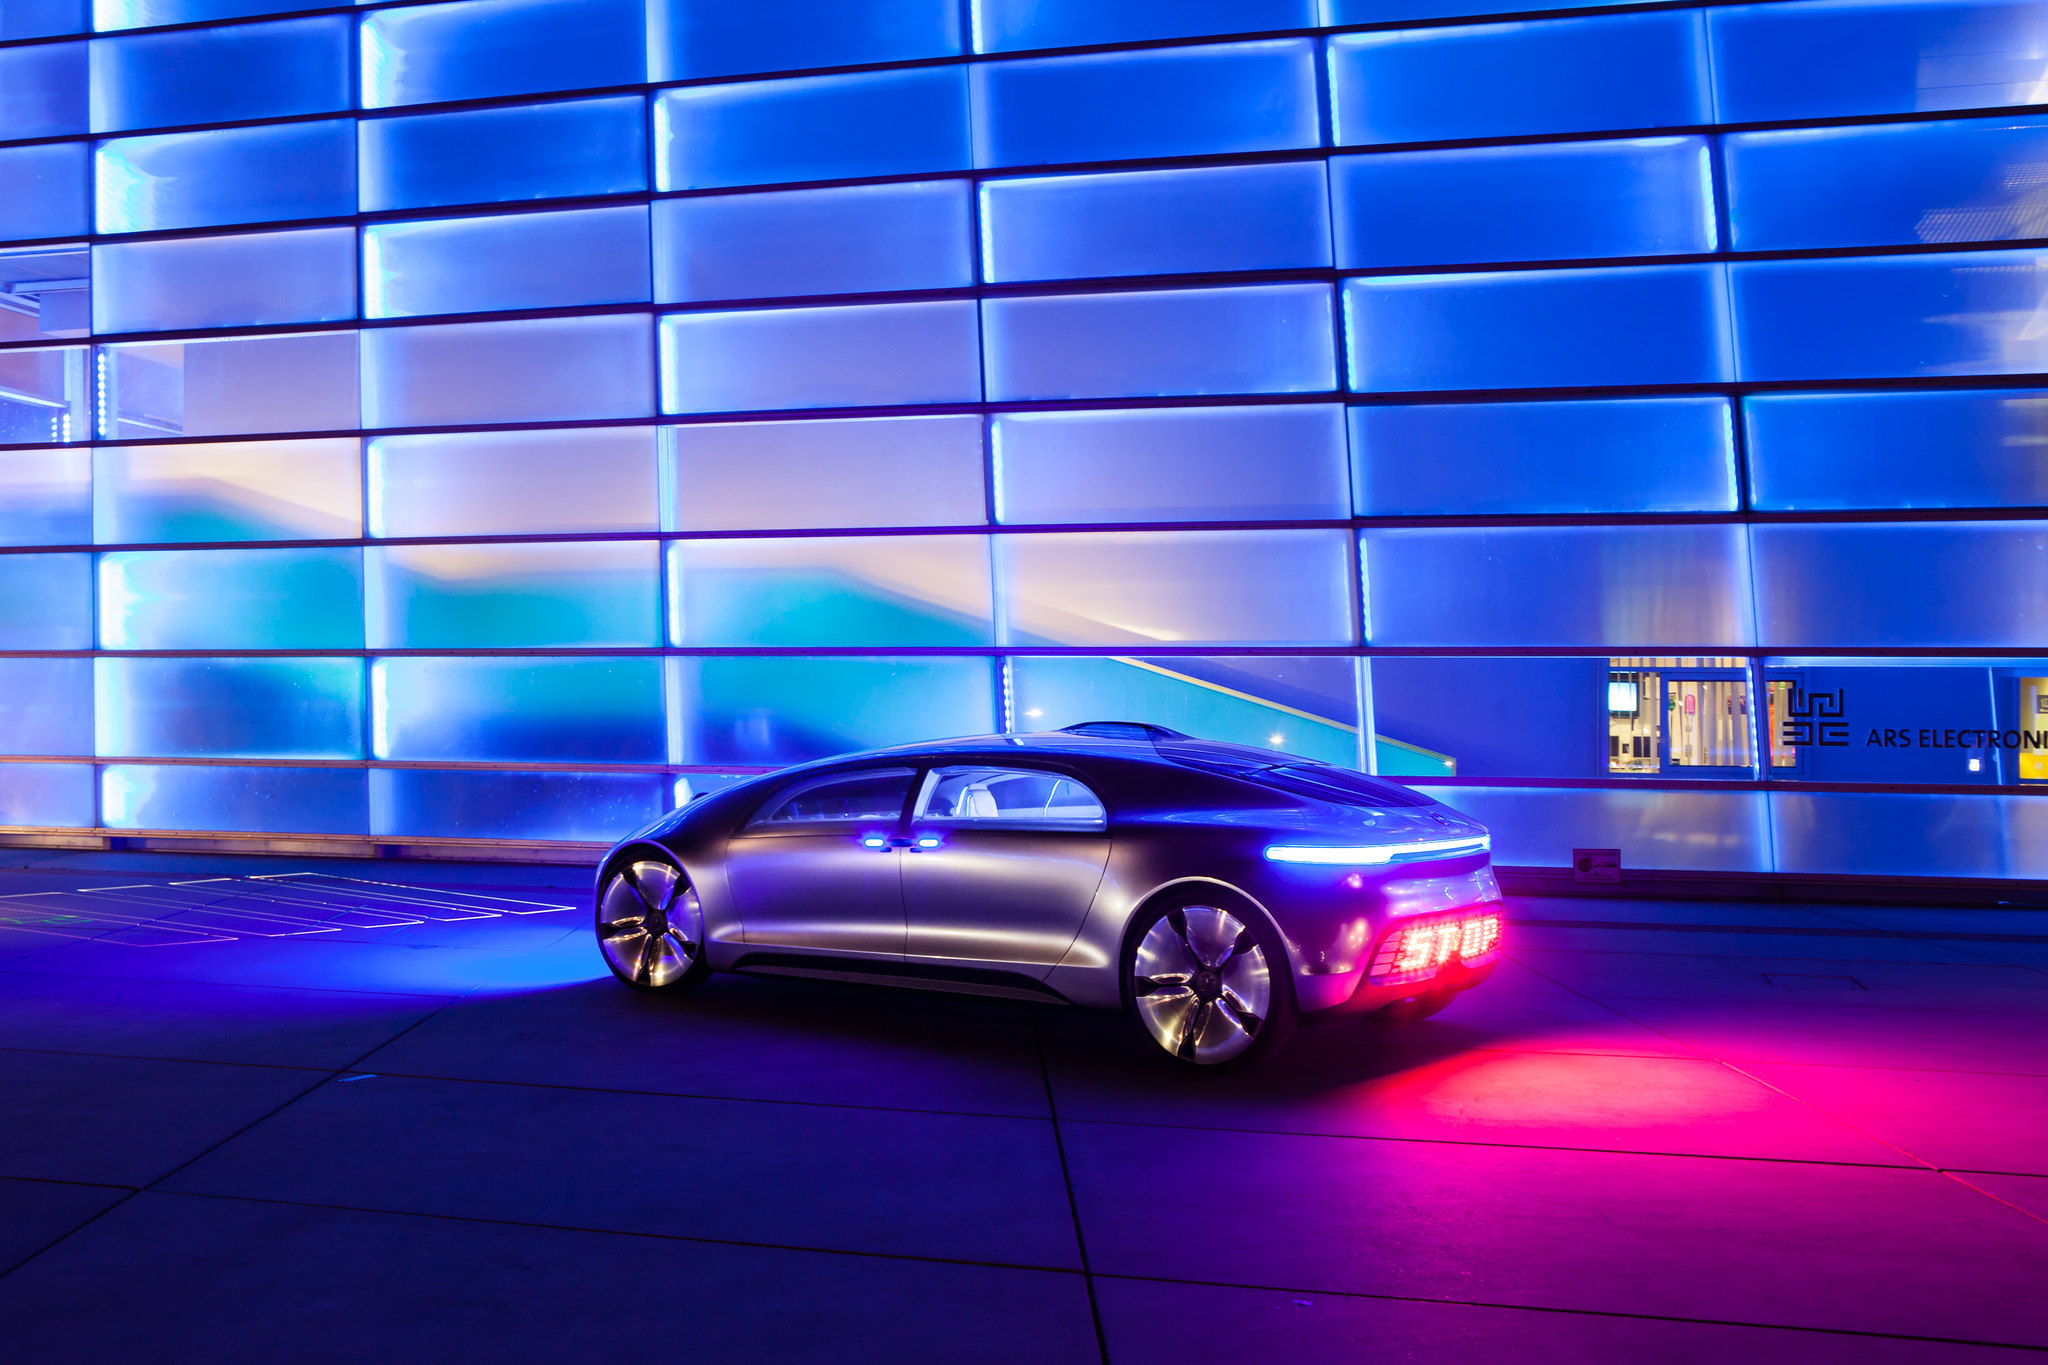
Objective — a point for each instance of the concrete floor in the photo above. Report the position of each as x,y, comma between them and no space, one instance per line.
280,1120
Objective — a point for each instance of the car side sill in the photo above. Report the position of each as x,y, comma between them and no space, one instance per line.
913,975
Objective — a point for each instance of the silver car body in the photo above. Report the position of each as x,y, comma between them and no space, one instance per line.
1044,908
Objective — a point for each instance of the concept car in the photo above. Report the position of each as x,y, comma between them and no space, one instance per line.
1217,893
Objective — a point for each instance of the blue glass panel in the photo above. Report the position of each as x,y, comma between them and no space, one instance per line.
820,357
1968,313
243,490
221,75
509,596
859,239
1014,25
1899,834
45,706
480,156
47,795
476,49
248,280
1629,586
519,710
1827,451
43,191
46,496
229,708
513,482
538,370
689,39
479,265
1176,587
1718,831
234,175
1183,101
1539,329
1827,59
1545,202
42,90
42,18
1295,706
816,128
1156,222
1494,459
729,476
588,807
1958,584
1512,80
304,382
1966,181
1338,13
46,601
1171,464
816,591
772,711
234,799
43,395
1258,339
1881,704
231,599
109,15
1450,707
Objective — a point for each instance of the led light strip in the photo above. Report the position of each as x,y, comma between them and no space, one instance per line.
1375,855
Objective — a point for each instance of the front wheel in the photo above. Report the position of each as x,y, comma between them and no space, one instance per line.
1208,982
650,927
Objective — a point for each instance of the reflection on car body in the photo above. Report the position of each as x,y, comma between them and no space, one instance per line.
1214,892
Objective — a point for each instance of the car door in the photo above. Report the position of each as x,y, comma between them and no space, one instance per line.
818,867
1002,866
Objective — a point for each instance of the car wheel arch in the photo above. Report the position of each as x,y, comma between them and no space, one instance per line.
1140,918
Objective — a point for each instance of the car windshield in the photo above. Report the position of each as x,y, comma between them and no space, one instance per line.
1341,785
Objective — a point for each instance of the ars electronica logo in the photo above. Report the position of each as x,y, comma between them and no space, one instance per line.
1815,719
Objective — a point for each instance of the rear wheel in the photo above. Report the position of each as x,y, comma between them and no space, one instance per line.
650,927
1208,983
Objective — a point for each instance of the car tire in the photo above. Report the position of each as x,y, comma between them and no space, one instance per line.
650,926
1206,980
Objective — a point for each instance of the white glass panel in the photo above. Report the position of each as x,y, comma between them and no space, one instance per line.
305,382
1961,584
46,496
46,601
539,370
821,357
248,280
526,260
872,471
45,292
1694,831
245,490
44,396
513,482
772,711
231,175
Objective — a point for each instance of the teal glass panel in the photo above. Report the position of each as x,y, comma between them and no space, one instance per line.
532,370
732,476
1506,459
814,128
252,279
46,601
1253,339
510,710
1307,707
231,599
688,39
47,795
45,706
830,591
513,482
862,356
231,175
1171,464
1129,588
772,711
241,490
508,596
597,808
46,496
1179,101
226,387
1684,587
482,265
850,240
228,708
233,799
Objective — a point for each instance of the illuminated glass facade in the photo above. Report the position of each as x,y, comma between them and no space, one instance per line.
496,420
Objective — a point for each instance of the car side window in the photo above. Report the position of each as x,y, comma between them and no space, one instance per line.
1007,796
870,794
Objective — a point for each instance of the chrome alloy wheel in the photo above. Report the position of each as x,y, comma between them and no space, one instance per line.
1202,984
650,926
